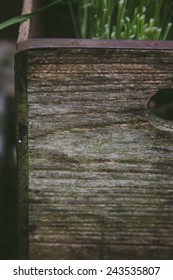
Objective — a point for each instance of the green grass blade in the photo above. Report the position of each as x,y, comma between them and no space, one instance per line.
24,17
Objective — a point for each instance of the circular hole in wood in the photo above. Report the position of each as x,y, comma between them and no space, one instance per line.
161,104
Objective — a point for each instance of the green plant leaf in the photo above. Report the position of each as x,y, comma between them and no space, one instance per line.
24,17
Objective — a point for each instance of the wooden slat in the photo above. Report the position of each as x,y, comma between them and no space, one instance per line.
99,172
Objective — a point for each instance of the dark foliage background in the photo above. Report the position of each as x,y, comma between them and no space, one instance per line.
8,170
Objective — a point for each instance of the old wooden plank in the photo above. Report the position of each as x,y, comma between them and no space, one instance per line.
99,251
99,173
22,153
69,43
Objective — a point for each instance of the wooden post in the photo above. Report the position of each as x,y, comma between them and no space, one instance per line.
95,170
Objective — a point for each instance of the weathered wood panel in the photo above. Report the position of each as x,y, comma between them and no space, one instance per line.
96,175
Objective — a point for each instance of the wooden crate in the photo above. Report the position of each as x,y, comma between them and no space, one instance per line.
95,166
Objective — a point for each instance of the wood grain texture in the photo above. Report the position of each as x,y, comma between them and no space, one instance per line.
22,153
100,174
